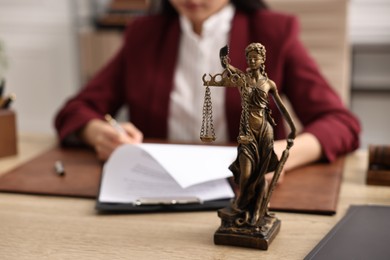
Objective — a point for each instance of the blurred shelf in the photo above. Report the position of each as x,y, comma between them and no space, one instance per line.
371,67
118,13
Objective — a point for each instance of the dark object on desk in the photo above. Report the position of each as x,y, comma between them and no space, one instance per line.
315,188
8,137
378,172
363,233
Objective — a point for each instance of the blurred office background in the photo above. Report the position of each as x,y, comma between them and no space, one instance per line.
53,47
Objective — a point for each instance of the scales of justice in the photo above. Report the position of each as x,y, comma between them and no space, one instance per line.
246,221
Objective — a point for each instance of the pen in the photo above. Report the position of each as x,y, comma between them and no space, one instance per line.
5,103
59,168
114,124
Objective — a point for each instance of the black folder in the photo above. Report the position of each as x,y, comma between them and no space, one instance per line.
363,233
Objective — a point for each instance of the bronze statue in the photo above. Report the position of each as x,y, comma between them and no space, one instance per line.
247,222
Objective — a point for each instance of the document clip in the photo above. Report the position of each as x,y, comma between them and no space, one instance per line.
166,201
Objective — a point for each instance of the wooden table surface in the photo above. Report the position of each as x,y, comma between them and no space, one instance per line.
48,227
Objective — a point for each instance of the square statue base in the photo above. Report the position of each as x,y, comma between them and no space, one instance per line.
259,237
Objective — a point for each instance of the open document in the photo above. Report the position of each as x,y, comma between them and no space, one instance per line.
146,174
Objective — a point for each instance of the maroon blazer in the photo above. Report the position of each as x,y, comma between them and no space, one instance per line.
141,77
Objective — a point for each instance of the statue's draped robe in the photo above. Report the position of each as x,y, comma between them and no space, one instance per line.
259,151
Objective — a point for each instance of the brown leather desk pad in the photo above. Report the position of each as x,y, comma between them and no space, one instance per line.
310,189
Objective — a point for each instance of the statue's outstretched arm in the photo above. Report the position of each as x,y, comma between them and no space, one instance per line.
229,77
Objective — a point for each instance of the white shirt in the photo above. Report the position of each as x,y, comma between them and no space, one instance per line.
199,55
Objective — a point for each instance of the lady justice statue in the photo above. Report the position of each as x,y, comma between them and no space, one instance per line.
247,222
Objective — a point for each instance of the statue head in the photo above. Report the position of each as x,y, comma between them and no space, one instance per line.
255,55
257,47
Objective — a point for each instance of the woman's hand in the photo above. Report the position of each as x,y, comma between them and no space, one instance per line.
270,176
306,149
104,138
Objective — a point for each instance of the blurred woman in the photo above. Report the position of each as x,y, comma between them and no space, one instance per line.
157,75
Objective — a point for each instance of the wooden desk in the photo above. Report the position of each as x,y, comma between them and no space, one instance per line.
44,227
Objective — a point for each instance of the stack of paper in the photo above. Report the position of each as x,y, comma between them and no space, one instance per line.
166,171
